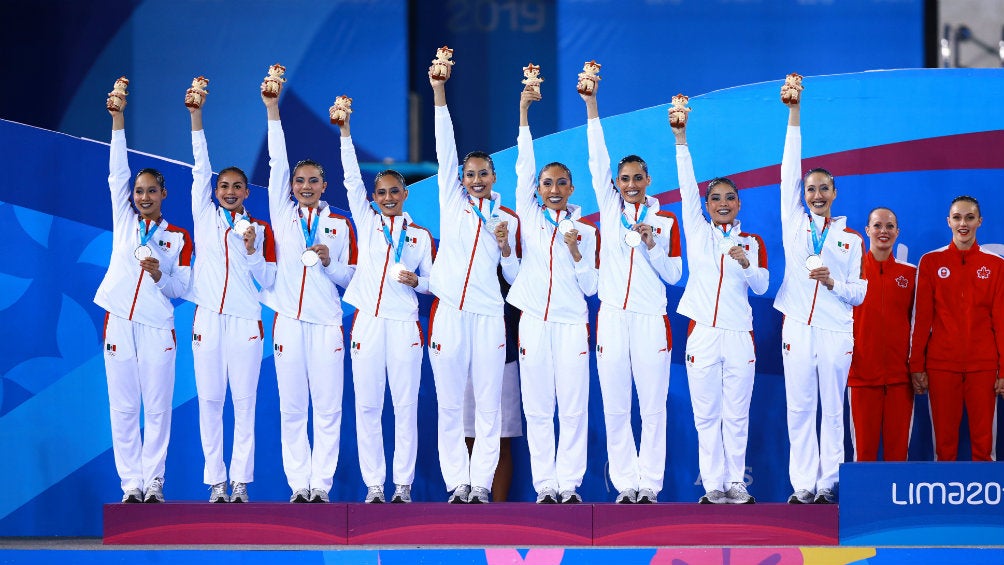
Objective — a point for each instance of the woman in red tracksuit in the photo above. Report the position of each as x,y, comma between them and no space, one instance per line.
879,388
958,335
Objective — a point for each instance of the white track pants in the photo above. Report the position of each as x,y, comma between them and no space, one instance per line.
139,365
720,368
308,367
816,362
226,349
386,352
462,344
555,361
634,346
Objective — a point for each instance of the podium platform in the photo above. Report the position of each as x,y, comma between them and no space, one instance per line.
436,524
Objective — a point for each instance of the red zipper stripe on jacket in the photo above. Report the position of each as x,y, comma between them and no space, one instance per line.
135,295
474,249
550,271
226,266
303,280
718,294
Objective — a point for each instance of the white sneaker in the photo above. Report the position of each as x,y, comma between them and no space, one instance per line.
402,494
318,495
826,496
238,492
801,496
627,496
219,493
646,496
132,495
547,496
300,496
714,497
570,497
374,495
479,495
155,492
737,494
460,495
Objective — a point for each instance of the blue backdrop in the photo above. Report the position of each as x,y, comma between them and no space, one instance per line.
907,139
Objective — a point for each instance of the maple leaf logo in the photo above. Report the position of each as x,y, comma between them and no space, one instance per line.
983,272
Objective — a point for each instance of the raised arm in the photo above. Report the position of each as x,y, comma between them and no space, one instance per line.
526,167
599,158
278,162
690,196
354,187
118,171
446,144
791,171
202,171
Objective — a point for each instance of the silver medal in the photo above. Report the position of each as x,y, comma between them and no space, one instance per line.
241,226
492,222
565,226
310,258
142,252
726,245
395,270
632,238
813,262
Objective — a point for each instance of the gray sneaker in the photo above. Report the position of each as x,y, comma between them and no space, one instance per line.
826,496
647,496
800,496
155,492
132,495
547,496
479,495
219,493
737,494
318,495
460,495
374,495
627,496
714,497
570,497
402,494
238,492
300,496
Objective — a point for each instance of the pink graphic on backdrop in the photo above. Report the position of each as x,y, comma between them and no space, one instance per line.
533,557
729,556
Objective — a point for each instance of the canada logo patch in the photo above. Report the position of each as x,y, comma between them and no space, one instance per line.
983,272
902,281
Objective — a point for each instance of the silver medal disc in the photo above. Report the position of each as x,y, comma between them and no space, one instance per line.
632,238
310,258
726,245
142,252
396,269
565,226
813,262
241,226
492,223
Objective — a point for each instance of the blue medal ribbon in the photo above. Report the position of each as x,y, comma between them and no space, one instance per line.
230,220
477,210
309,233
145,231
644,212
817,239
554,222
387,235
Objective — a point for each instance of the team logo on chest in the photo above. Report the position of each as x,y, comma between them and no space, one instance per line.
785,348
165,245
110,349
843,246
330,232
944,273
983,272
196,340
902,281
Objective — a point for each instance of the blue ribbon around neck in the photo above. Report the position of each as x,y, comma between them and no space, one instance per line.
387,235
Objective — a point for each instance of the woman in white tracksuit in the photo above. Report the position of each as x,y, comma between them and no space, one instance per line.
641,251
563,250
315,250
395,257
724,262
821,286
234,251
150,265
466,328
